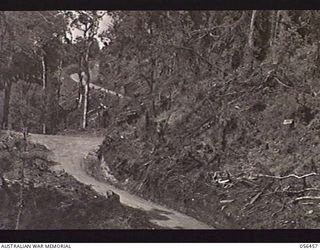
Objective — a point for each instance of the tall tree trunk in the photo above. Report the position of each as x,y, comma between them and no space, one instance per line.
44,87
6,107
49,92
86,87
80,91
44,72
85,105
275,27
250,39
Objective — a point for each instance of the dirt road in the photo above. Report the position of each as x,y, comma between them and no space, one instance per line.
68,152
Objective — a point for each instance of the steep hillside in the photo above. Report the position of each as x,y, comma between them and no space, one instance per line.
236,170
226,114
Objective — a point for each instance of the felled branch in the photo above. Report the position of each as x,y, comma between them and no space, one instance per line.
282,83
307,198
288,176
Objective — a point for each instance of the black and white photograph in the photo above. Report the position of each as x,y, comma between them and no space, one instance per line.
156,120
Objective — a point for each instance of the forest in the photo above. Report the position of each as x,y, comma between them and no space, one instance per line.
212,113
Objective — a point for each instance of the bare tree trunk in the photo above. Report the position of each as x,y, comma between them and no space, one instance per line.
251,40
275,26
49,89
44,72
44,85
86,87
80,84
80,94
85,105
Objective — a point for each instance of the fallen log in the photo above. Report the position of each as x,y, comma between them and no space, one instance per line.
288,176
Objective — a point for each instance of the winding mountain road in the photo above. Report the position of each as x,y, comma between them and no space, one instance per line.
68,151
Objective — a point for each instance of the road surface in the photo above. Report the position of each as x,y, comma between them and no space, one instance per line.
75,77
69,151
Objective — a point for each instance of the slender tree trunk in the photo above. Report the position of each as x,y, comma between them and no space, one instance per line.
49,89
86,88
251,40
85,105
80,93
273,27
276,19
44,86
6,107
44,72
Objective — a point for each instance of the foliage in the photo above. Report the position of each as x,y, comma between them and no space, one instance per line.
212,110
206,94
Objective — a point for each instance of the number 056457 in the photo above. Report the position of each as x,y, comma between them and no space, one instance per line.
308,246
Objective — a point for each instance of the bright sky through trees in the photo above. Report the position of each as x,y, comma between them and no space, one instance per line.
105,23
